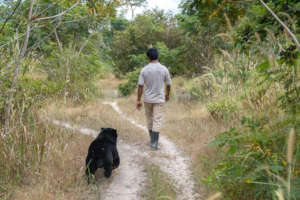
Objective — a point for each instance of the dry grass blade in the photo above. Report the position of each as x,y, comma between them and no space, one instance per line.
279,194
290,148
215,196
225,35
290,151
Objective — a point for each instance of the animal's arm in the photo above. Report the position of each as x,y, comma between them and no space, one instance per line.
116,158
91,153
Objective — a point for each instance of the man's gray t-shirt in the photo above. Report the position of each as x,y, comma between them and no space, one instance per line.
154,76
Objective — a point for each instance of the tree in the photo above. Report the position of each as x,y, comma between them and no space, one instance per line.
133,4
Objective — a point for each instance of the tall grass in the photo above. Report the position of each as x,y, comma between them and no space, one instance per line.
256,95
21,151
39,160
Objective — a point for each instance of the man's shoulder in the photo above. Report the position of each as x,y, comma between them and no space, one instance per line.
150,67
146,67
164,67
143,69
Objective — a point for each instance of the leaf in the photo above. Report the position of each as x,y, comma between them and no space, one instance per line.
232,149
263,67
276,168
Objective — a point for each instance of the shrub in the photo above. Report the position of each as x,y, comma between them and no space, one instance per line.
204,87
223,109
75,70
253,157
132,79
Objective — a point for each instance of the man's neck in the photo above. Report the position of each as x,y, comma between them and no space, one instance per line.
154,61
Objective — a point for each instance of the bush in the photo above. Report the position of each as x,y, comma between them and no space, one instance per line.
223,109
74,70
253,162
204,88
132,79
253,157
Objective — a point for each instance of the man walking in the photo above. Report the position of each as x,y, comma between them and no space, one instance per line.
154,76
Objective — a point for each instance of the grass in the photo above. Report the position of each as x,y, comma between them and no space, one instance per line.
159,185
47,165
95,115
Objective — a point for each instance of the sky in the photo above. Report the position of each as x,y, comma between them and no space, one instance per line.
167,5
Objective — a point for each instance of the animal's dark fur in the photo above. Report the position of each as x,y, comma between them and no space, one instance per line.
103,153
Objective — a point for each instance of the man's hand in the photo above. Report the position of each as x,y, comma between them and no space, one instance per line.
139,95
138,105
168,88
167,98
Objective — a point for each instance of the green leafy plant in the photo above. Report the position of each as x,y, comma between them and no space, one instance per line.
128,87
223,109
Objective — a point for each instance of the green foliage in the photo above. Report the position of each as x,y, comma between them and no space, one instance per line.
253,154
184,55
128,87
212,12
224,109
74,67
171,58
243,18
128,46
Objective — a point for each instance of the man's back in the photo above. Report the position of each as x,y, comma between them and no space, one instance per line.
154,76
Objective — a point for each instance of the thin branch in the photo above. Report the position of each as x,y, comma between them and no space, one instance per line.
60,14
83,45
283,24
57,39
43,39
12,14
56,36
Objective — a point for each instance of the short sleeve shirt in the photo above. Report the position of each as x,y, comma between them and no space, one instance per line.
154,76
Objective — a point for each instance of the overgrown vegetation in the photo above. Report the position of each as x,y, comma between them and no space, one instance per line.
239,61
47,51
244,67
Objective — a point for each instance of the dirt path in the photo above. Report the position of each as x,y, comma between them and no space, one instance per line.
128,181
170,159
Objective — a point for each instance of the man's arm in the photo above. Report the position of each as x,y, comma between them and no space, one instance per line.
168,82
168,89
139,96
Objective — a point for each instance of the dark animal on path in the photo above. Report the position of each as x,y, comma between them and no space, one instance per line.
103,153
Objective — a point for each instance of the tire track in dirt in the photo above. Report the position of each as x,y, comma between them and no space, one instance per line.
171,160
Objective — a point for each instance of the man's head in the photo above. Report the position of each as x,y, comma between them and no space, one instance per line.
152,54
